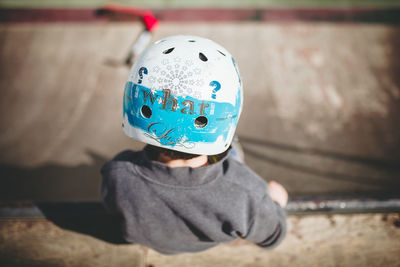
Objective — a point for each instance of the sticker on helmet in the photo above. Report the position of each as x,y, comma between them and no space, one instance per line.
178,120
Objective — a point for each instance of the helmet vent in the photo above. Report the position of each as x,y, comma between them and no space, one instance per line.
203,57
168,50
221,53
191,41
200,122
146,111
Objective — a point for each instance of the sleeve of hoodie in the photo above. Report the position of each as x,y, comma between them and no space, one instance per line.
108,188
113,177
268,226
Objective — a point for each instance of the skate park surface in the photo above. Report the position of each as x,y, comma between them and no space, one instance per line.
321,116
321,105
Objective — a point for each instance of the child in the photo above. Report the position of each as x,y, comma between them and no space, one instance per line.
186,191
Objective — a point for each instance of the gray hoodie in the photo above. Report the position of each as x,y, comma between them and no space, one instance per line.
174,210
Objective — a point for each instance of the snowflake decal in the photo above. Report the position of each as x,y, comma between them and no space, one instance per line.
181,77
156,69
152,79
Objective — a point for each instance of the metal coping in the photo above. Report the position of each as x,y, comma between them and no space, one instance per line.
336,14
204,3
15,211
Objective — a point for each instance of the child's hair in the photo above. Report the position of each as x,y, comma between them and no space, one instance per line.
154,151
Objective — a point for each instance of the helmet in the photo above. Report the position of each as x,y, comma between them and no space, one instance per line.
184,93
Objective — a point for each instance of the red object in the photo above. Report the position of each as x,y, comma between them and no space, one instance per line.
149,20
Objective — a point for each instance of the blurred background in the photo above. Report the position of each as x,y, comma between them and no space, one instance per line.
321,79
321,116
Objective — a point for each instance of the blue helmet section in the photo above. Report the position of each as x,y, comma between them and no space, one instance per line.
179,121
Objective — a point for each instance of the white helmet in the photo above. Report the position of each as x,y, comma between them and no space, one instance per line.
184,93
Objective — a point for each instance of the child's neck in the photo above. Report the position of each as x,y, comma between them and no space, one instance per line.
195,162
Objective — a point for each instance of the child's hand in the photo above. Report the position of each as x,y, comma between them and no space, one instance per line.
278,193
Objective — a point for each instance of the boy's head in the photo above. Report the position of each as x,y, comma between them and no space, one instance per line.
184,93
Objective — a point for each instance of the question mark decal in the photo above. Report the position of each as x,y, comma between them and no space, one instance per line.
141,71
217,86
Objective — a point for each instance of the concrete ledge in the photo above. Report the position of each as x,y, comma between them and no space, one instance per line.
318,240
